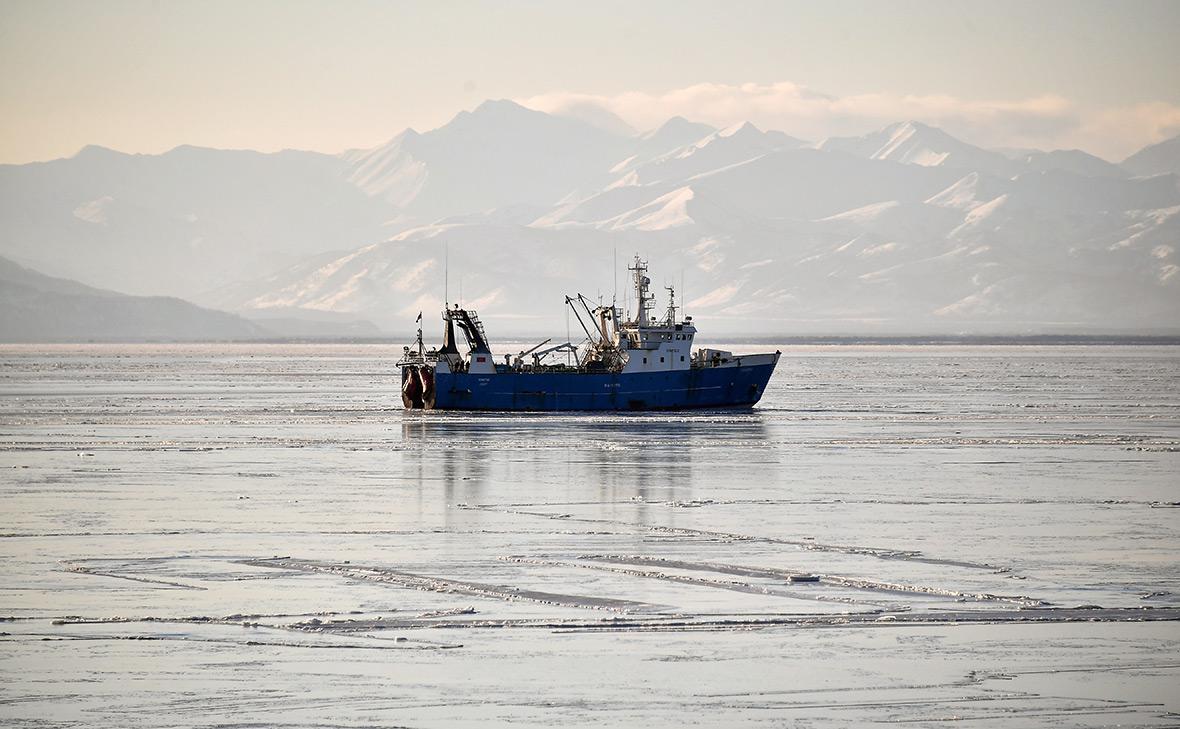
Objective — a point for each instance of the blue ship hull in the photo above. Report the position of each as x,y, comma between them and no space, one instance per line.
704,387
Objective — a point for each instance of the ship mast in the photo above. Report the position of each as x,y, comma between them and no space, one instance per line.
642,297
670,316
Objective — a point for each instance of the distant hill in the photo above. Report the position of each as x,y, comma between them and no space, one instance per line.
35,307
1156,159
295,323
1071,160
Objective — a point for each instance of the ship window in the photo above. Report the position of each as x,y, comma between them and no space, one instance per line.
661,359
682,358
645,360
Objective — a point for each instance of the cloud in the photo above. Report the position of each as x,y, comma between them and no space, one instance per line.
1139,125
1046,121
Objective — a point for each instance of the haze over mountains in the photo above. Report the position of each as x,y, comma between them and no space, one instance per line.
902,230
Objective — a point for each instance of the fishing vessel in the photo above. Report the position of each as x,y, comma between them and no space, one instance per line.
626,362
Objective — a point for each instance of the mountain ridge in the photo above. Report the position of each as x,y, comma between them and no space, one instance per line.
903,226
36,307
1160,158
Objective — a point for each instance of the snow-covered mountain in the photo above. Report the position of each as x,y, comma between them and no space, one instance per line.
673,134
906,229
915,143
500,154
1039,252
181,222
720,149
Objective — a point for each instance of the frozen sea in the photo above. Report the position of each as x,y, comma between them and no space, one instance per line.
259,536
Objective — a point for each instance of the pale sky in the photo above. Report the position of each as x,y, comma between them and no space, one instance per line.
142,76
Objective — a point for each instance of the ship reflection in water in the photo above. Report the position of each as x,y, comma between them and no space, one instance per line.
615,457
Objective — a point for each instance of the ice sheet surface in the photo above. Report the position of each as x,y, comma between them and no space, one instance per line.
259,535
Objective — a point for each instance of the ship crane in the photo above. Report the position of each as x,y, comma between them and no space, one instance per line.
582,300
563,347
521,355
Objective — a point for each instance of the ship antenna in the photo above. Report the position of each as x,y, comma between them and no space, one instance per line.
446,275
626,302
614,269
